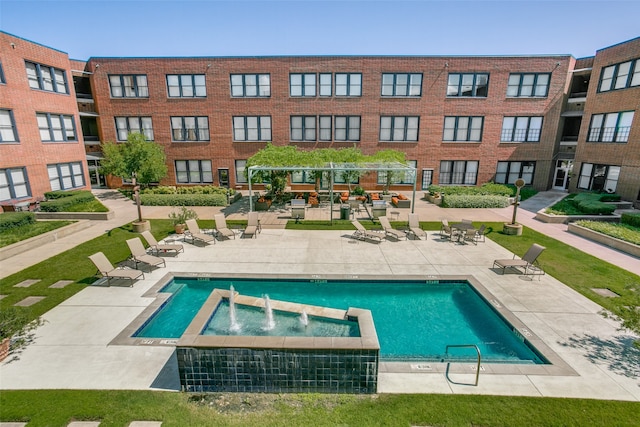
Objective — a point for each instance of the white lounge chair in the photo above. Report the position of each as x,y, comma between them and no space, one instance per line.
221,226
107,270
159,247
140,255
195,234
389,230
362,233
414,227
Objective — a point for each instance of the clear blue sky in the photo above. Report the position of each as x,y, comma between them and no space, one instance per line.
85,28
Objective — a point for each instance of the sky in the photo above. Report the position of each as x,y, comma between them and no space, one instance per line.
147,28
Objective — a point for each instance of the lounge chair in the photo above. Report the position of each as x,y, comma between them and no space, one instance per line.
414,227
221,227
527,263
253,225
389,230
140,255
158,247
447,232
195,234
107,270
362,233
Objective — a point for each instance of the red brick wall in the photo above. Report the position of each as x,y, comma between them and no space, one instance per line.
16,95
432,106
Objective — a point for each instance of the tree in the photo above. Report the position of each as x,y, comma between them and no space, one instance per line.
144,158
388,157
276,156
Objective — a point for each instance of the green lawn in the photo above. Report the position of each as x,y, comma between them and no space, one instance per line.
25,232
118,408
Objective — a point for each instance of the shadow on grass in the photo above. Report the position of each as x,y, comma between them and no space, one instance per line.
619,353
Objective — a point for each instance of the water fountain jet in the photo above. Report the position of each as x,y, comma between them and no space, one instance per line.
270,322
234,326
304,319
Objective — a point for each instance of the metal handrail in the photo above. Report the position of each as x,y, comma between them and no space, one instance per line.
464,346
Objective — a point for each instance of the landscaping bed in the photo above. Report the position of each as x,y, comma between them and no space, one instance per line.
596,236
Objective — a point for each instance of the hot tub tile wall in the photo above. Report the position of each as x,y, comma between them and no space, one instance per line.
278,370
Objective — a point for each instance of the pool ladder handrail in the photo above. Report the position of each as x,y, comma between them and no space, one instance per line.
479,356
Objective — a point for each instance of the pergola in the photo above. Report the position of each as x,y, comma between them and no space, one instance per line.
334,168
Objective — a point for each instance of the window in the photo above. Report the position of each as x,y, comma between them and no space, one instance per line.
303,128
302,84
56,127
459,172
46,78
186,86
8,132
241,166
399,128
472,84
348,84
64,176
190,128
14,184
509,172
620,76
463,129
610,127
129,86
398,177
599,177
528,85
194,172
303,177
401,84
347,128
250,85
252,128
2,80
325,84
127,125
427,178
521,129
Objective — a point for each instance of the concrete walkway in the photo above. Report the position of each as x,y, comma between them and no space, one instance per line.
74,349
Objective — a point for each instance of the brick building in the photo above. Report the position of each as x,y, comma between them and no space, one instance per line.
460,120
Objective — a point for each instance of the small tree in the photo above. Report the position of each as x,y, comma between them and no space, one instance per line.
390,156
276,156
142,160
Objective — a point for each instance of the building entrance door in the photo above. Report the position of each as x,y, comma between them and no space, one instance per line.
223,177
562,175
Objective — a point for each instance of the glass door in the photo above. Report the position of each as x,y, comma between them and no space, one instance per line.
562,175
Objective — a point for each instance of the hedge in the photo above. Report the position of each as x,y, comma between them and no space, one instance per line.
63,203
194,189
11,220
632,219
474,201
183,199
59,194
591,204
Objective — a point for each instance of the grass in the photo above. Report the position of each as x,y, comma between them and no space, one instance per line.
92,206
118,408
565,207
17,234
625,232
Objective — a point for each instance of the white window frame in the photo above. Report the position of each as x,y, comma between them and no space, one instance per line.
128,125
521,129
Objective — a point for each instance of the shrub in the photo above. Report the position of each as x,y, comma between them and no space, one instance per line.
606,197
192,189
183,199
619,231
590,204
62,204
11,220
474,201
632,219
60,194
488,188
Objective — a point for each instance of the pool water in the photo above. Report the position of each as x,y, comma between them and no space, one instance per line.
414,320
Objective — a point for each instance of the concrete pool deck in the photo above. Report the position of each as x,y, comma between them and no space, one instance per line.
72,349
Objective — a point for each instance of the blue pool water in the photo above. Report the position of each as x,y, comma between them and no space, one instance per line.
414,320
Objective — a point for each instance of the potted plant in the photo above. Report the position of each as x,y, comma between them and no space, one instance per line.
180,217
15,327
263,203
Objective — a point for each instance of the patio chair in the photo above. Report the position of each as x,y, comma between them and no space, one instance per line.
253,225
107,270
480,236
193,232
389,230
467,221
158,247
528,261
447,232
362,233
221,226
140,255
470,236
414,227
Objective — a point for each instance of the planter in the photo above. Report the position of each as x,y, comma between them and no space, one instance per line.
5,345
542,216
179,228
612,242
512,229
140,226
433,199
263,206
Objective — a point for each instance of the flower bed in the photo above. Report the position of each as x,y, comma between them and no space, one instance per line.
621,245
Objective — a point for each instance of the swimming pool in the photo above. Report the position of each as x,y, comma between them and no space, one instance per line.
414,319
